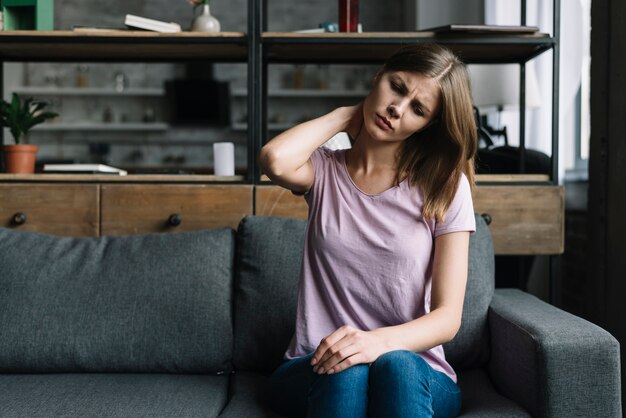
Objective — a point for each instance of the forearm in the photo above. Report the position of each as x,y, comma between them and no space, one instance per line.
421,334
292,149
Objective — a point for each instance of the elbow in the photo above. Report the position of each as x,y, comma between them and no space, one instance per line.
454,330
450,324
268,158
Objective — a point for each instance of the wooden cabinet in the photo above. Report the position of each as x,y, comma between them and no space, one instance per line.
138,208
525,219
122,209
60,209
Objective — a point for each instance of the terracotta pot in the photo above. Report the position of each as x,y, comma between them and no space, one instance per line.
20,158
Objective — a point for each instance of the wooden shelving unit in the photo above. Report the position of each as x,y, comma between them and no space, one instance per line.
537,198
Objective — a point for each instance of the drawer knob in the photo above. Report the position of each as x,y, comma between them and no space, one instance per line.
175,219
486,217
18,219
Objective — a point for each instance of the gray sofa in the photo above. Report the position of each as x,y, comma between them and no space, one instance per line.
192,324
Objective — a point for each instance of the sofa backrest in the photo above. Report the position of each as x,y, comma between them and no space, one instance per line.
149,303
268,259
267,268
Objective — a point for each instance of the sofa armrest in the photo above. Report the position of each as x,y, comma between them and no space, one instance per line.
552,363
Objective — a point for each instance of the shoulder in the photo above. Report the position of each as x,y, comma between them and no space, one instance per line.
464,186
323,156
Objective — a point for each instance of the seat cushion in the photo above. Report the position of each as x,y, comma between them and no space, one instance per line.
268,260
111,395
481,400
142,303
249,397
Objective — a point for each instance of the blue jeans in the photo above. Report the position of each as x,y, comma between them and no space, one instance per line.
398,384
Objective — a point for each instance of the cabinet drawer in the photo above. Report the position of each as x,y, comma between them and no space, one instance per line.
136,209
524,219
278,201
68,209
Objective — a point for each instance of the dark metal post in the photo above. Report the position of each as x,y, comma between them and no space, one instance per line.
555,91
522,117
522,101
254,33
555,270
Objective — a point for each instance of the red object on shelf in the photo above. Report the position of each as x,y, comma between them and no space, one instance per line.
348,15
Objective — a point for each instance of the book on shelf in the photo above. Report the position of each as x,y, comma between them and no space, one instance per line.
151,24
484,29
83,168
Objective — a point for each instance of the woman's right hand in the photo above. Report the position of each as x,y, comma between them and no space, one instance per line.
355,121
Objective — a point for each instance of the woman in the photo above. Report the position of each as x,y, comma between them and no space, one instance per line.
385,256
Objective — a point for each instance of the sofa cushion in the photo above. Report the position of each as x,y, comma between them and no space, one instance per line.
112,395
470,347
249,397
143,303
481,400
268,260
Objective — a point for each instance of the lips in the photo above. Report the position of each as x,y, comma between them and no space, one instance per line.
383,122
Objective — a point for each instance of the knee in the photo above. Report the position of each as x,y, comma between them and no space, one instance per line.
353,378
342,394
400,363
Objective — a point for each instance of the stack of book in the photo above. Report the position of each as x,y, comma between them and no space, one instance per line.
83,168
135,22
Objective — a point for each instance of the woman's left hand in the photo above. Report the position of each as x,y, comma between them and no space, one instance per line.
346,347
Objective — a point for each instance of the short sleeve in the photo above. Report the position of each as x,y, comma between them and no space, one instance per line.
460,215
320,159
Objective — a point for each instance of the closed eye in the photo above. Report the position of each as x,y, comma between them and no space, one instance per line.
396,87
418,110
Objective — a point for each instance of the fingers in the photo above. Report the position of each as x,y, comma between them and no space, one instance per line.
335,348
328,342
341,360
356,122
353,360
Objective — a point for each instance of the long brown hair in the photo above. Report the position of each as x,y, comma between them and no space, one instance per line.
434,158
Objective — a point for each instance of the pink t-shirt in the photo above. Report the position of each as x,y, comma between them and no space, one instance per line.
368,258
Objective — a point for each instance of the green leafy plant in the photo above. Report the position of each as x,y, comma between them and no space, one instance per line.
21,115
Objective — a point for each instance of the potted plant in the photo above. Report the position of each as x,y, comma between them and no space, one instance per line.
20,116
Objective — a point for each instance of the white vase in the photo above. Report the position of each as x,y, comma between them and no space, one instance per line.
205,22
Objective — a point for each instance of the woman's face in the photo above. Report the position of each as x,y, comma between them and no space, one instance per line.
400,104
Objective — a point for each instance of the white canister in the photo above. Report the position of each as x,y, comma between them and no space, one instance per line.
224,158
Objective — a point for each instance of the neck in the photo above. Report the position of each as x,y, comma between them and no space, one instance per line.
370,156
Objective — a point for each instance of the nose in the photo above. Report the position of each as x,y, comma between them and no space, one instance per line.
396,109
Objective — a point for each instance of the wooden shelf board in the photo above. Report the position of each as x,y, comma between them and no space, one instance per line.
100,126
131,178
88,91
129,46
375,47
